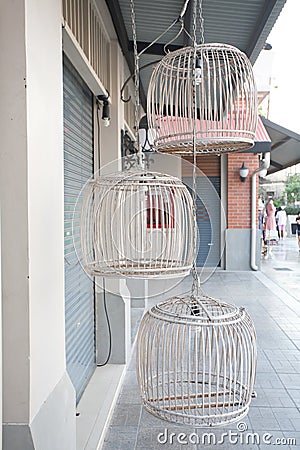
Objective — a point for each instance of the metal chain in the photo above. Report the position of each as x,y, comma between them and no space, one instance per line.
136,82
201,22
198,18
195,23
196,281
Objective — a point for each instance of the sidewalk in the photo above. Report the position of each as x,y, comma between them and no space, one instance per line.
272,298
284,267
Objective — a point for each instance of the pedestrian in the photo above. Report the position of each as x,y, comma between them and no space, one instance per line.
270,219
298,229
261,226
276,219
281,221
270,228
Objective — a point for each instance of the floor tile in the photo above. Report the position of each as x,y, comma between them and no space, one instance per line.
276,314
120,438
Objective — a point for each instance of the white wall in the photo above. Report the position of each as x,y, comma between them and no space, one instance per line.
14,199
31,187
1,365
166,164
45,191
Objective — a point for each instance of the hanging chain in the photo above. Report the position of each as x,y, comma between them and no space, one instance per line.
196,286
136,83
201,22
194,23
196,281
198,18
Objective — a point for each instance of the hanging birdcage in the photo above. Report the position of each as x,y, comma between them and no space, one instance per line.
137,224
196,361
209,86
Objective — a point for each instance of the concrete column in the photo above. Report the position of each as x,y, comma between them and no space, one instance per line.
238,249
14,203
237,252
39,400
1,368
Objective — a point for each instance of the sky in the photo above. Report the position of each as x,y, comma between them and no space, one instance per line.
284,105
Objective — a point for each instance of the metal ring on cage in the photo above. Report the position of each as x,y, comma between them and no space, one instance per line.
196,361
225,100
137,224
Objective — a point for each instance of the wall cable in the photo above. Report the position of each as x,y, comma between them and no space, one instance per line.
103,288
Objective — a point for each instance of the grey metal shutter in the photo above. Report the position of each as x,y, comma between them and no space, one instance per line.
208,220
79,288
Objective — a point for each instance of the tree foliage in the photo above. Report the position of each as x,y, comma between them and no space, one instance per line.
292,188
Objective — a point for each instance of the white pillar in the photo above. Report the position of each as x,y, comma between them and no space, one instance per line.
1,366
39,401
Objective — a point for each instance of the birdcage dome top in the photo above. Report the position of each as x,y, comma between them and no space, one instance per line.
208,89
209,48
195,310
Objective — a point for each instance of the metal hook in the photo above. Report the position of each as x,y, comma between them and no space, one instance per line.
132,77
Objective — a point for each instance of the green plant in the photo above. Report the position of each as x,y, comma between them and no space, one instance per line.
292,210
292,188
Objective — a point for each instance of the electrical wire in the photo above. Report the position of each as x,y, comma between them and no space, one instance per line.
104,290
108,327
179,19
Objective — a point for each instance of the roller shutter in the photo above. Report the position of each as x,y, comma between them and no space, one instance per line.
208,208
79,288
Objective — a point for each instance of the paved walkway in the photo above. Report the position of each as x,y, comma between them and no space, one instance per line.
272,298
283,266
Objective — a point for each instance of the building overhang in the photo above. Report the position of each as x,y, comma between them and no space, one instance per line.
285,146
262,139
243,24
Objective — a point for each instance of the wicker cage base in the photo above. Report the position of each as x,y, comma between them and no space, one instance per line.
202,409
149,269
185,147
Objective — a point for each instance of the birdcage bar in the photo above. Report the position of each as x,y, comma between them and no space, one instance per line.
137,224
225,100
196,361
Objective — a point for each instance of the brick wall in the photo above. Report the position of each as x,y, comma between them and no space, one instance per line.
239,194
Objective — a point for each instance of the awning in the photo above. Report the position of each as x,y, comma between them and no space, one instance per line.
285,146
262,139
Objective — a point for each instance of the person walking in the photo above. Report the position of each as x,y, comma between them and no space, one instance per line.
270,228
281,221
270,221
298,229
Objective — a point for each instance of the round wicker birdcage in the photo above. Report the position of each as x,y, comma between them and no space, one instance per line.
137,224
196,361
215,90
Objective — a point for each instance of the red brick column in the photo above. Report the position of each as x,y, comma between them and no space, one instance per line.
239,194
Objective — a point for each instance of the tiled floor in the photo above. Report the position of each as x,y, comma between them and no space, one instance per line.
272,299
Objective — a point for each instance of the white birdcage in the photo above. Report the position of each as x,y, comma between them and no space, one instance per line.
196,361
137,224
209,86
